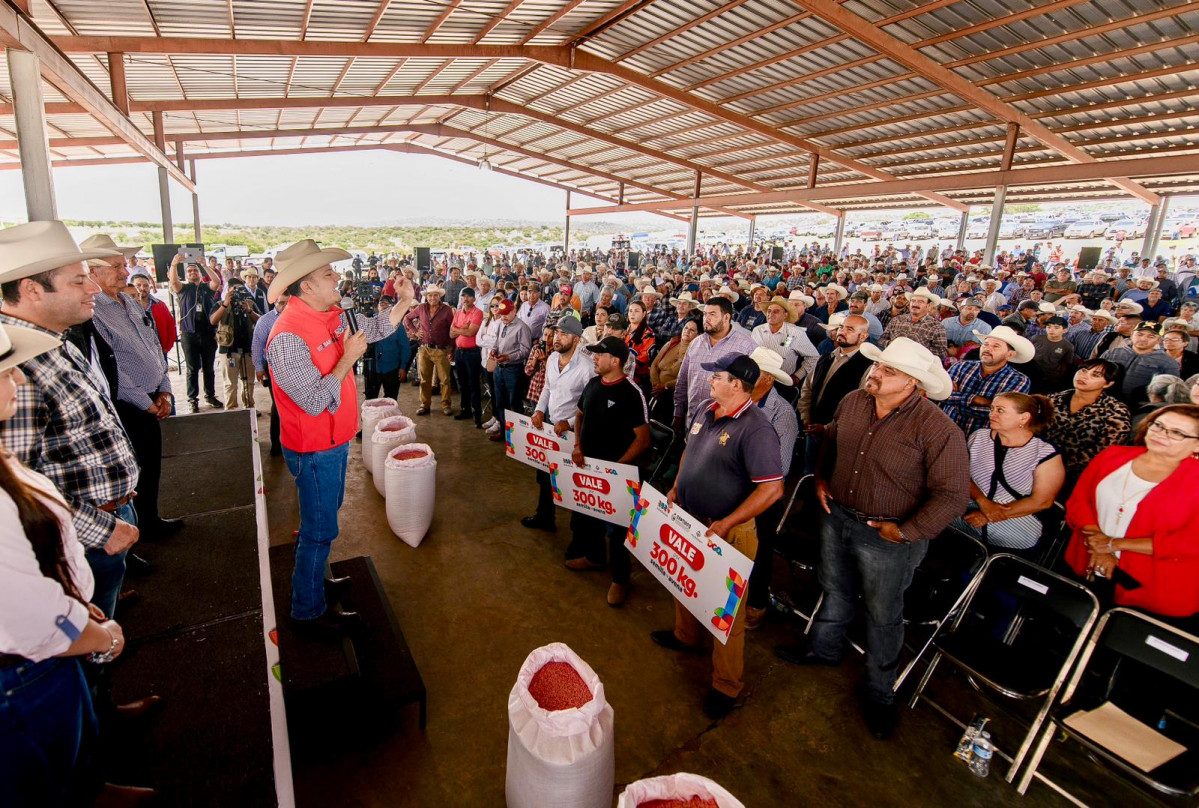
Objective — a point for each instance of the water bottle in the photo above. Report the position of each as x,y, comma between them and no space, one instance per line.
980,758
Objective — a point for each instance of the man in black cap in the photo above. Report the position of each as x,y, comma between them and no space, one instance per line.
731,472
1141,361
612,424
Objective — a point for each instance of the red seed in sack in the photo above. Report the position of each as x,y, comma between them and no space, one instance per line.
377,404
558,686
394,428
409,454
679,802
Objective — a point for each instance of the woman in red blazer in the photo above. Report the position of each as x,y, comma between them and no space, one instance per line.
1136,508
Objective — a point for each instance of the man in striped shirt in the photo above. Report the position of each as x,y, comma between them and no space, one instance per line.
718,340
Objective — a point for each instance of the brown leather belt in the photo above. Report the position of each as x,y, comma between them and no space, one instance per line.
110,507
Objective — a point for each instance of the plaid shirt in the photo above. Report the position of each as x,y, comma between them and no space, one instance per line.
1085,341
968,382
141,366
662,319
928,331
67,429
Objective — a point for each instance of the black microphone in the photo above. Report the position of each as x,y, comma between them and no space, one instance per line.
348,307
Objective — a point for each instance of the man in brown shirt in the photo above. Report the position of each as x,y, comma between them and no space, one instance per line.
899,477
434,321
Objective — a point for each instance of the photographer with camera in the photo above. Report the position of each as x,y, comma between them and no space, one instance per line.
196,300
234,319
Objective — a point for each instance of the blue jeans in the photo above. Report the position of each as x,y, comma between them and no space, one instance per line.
321,485
109,570
855,561
507,391
47,733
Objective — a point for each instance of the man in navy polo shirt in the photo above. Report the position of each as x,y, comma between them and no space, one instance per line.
731,472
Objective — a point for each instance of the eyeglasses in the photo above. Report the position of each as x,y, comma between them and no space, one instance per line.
1171,434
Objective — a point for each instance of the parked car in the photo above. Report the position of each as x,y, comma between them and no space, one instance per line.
1086,228
918,231
1110,217
1181,228
1126,228
872,233
1046,228
977,229
1012,229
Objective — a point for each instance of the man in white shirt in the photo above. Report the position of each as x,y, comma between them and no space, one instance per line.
780,335
567,372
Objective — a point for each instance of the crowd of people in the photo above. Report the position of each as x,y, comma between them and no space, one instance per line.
933,394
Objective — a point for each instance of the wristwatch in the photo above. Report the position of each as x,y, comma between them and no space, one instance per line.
902,538
107,656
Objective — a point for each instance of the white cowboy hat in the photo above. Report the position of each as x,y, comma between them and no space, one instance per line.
785,304
1046,308
877,287
1132,306
841,291
835,321
902,276
28,249
910,357
684,297
248,271
1021,345
725,291
104,242
19,344
432,290
946,303
1080,309
1104,314
1152,284
797,296
298,261
928,294
770,362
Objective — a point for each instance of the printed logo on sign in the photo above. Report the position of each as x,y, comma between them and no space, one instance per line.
678,542
541,442
592,482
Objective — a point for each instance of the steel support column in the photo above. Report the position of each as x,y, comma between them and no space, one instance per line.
963,225
566,234
25,76
1153,235
753,230
1150,226
839,238
195,202
693,225
993,227
164,180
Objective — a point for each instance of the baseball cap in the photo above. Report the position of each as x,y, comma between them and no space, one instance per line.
1057,321
1145,325
507,306
569,324
468,292
617,321
739,366
613,346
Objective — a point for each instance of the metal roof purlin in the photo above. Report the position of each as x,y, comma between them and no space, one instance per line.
887,44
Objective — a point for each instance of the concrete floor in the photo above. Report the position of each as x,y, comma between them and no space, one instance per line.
482,591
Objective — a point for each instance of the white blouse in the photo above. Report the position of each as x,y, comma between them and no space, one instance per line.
1117,497
31,603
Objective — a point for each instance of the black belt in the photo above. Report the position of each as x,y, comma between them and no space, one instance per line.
11,661
865,517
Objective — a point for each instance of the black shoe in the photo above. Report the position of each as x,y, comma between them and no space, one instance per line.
334,622
136,565
666,639
464,415
478,424
717,705
799,654
215,403
535,522
880,718
423,411
193,405
164,528
337,586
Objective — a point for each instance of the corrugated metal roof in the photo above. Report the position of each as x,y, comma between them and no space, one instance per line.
723,86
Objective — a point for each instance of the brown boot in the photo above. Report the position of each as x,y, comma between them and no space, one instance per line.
114,796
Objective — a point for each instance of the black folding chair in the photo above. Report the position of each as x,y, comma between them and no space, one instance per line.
1148,669
798,543
1019,632
940,586
1055,535
663,446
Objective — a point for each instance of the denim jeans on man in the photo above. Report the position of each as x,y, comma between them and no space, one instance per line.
507,391
109,570
855,560
47,734
468,365
320,485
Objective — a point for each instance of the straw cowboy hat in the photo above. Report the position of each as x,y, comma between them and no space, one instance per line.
770,362
298,262
1132,306
725,291
841,291
103,241
910,357
1104,314
19,345
1021,345
792,314
28,249
684,297
928,294
432,290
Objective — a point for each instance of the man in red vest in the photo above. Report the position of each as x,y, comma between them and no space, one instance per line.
311,353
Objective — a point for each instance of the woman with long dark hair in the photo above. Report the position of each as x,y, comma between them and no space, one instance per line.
640,339
47,724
